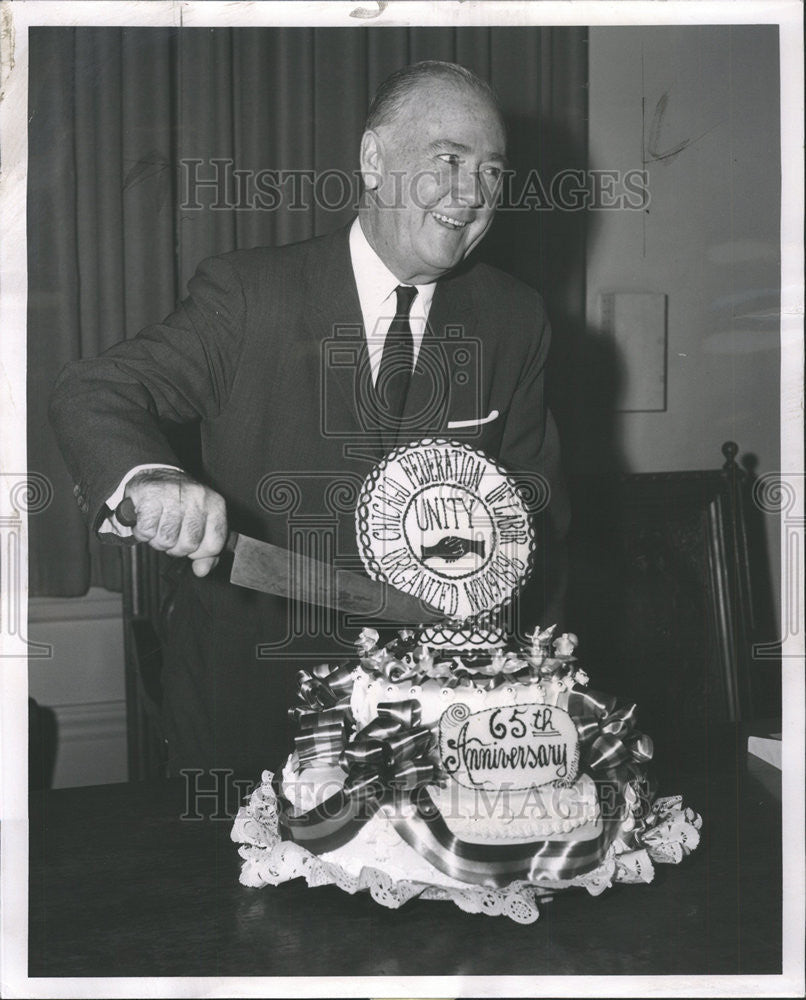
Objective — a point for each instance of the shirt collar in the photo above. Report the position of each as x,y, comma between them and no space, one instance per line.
373,279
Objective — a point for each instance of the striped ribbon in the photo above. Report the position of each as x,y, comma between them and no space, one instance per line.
339,818
321,736
332,823
321,688
498,865
323,715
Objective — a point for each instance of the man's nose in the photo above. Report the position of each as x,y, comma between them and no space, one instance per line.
470,190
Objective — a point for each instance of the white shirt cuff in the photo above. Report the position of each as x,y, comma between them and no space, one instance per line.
111,525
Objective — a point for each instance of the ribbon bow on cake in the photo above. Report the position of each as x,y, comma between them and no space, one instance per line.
392,751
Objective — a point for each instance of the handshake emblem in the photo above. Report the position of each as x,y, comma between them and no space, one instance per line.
452,547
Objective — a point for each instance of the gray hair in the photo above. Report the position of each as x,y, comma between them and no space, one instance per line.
394,91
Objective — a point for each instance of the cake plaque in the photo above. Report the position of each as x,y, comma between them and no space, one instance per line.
515,747
440,521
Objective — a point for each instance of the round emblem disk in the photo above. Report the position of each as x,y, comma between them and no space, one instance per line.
442,522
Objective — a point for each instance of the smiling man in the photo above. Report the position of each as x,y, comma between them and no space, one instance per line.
432,157
303,366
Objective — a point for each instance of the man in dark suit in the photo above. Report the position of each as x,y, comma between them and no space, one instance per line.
303,365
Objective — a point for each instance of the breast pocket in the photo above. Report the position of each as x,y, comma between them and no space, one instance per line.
484,433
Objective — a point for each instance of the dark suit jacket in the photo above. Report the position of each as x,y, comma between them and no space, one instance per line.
268,354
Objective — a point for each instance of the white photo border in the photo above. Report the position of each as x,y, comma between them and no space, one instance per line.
15,19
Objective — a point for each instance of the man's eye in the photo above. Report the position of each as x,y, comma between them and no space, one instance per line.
493,172
451,158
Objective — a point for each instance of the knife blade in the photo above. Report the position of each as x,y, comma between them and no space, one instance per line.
275,570
272,569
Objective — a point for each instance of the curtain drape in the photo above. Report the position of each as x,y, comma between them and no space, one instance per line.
145,146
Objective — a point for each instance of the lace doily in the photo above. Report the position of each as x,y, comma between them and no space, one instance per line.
669,834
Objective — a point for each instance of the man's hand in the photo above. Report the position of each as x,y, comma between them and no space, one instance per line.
177,515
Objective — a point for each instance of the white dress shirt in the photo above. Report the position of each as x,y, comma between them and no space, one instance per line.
376,293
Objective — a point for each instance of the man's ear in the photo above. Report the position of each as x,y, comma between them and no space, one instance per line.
371,159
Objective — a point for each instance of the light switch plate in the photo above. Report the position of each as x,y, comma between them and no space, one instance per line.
636,322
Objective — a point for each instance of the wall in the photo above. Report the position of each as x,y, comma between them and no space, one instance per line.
698,107
83,682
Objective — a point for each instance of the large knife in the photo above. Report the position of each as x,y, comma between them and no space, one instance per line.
272,569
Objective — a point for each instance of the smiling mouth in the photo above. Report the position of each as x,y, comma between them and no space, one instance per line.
446,220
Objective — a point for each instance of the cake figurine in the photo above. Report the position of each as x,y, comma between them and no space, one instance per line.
367,641
499,661
540,643
566,644
452,763
425,661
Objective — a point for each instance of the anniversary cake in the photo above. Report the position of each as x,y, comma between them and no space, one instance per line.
451,762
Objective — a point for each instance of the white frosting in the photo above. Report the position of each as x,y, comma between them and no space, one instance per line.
508,816
307,789
434,697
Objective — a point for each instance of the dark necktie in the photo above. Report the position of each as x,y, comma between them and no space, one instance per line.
397,360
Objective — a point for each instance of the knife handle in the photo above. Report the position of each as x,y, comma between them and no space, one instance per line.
127,515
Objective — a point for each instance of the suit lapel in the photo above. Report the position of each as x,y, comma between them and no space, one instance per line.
335,324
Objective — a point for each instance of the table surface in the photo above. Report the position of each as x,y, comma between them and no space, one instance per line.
121,885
